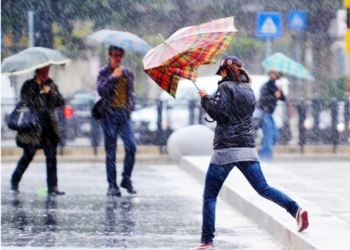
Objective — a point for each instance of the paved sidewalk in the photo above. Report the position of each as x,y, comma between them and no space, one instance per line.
166,213
321,188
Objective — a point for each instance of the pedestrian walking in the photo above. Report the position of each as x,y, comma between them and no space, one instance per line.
43,94
232,107
269,95
115,85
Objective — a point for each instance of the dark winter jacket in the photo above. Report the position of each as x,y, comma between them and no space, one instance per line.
268,101
106,85
232,108
45,104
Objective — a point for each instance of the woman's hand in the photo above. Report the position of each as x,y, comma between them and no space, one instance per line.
278,94
46,88
202,93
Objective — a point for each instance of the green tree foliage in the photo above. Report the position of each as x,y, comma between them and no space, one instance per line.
338,88
146,18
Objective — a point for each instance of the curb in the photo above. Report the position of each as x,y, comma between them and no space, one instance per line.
278,229
150,154
80,150
140,159
144,155
156,158
314,157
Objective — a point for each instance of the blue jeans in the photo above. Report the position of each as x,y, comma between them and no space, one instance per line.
270,137
214,180
118,123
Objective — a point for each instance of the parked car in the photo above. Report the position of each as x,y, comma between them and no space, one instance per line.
68,124
77,114
82,103
176,112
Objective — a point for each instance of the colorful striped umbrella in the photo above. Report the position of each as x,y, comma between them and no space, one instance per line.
281,63
122,39
184,51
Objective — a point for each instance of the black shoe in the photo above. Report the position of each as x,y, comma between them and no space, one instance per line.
126,183
114,192
14,188
55,191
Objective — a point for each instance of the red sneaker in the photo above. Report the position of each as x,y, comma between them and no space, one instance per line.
302,220
204,246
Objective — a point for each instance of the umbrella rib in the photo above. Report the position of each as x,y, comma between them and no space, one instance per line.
161,37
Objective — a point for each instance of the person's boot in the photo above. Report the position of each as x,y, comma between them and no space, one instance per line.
114,191
14,188
126,183
55,191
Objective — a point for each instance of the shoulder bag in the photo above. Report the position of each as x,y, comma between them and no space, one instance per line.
98,109
23,117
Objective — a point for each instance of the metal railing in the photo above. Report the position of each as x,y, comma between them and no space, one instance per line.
310,122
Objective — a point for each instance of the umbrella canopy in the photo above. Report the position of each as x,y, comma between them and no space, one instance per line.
31,59
122,39
281,63
184,51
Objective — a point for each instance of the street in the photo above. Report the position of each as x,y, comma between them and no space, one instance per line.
165,214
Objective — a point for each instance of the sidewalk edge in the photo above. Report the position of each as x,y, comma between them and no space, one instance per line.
288,238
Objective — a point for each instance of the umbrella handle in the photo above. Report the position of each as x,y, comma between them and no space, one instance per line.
196,85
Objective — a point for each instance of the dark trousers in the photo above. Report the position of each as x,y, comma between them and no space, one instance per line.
118,124
50,149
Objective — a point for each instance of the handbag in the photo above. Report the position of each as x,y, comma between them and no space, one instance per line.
98,108
23,117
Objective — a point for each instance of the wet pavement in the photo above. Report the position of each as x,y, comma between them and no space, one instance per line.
165,214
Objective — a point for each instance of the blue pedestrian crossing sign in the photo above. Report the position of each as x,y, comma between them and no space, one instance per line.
268,24
297,20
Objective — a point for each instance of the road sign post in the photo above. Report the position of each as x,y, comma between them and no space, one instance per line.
347,34
31,28
268,26
297,22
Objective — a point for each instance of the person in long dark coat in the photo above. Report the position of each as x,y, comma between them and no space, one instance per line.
43,94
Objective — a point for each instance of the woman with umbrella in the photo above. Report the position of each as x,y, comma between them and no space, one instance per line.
41,93
232,107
